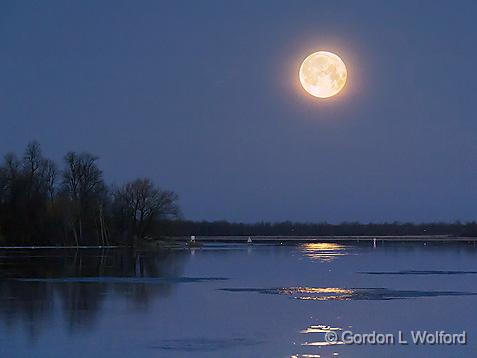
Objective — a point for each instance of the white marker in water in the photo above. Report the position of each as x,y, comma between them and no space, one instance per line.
192,238
374,242
249,241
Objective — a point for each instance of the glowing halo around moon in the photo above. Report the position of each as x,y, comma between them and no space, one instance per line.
323,74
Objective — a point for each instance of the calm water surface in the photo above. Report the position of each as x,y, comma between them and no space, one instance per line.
236,300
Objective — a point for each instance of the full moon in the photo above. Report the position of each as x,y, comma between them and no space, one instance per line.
323,74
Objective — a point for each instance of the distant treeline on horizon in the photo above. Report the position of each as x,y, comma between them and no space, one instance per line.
288,228
43,204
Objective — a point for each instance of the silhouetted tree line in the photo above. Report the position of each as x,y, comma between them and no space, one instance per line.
41,204
224,228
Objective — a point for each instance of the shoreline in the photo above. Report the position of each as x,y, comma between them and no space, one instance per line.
60,247
312,239
165,242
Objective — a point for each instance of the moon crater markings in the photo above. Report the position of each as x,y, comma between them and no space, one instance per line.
323,74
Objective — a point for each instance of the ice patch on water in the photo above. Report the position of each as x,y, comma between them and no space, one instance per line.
203,344
418,272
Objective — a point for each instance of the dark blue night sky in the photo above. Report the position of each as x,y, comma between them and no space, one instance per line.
203,97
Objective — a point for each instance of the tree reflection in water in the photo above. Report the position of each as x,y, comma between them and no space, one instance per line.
33,303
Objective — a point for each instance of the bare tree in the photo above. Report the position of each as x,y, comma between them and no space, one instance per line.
8,172
141,203
40,172
83,187
32,160
50,176
26,186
